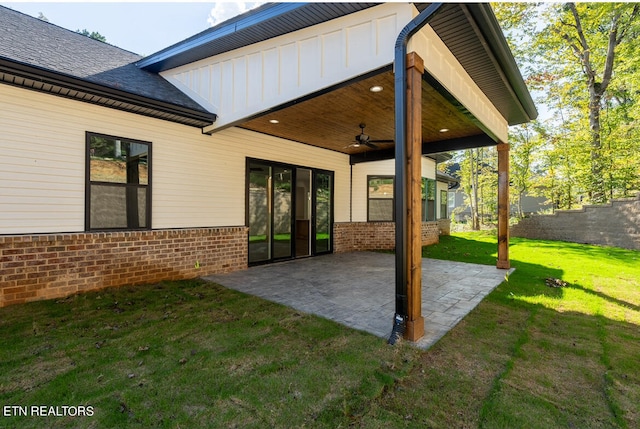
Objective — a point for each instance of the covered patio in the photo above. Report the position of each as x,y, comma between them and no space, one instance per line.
371,82
357,290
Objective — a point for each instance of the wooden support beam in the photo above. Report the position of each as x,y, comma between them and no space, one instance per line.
503,206
415,322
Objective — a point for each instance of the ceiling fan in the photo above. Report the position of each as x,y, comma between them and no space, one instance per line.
363,139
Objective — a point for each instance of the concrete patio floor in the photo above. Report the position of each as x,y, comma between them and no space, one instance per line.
358,289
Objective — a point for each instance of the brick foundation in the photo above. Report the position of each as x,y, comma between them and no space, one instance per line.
356,236
35,267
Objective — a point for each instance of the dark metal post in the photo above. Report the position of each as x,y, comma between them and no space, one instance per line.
400,154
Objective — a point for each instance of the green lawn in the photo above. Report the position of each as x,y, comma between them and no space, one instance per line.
193,354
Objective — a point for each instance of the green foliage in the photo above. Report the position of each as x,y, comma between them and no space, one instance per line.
479,181
92,35
580,61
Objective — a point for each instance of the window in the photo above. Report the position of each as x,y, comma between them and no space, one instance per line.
380,199
118,183
428,200
444,199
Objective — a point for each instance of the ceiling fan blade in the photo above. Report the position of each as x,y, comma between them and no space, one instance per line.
382,141
370,144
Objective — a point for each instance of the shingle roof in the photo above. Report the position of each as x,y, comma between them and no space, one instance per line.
36,46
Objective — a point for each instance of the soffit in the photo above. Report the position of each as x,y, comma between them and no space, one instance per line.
331,120
474,37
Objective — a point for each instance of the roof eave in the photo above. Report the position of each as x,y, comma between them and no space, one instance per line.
17,73
486,20
260,24
158,61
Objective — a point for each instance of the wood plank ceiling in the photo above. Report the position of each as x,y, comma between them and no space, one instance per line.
331,120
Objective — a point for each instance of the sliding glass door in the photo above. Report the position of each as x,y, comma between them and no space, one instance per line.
259,212
289,211
282,211
323,221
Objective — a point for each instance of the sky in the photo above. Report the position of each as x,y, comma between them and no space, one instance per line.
142,28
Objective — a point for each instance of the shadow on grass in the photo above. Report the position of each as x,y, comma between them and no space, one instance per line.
604,296
530,355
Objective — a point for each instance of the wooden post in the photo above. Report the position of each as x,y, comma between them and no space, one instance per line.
415,322
503,206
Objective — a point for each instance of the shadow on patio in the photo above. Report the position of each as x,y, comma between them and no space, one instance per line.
358,289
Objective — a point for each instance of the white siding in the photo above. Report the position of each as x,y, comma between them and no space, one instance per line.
197,180
252,79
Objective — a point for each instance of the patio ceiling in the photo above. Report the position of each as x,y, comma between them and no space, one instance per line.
331,119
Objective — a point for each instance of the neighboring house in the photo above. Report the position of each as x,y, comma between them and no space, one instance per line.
233,147
462,212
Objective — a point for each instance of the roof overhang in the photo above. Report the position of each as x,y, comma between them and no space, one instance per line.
263,23
473,34
330,117
39,79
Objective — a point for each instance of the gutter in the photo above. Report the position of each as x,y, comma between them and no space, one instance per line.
76,87
157,62
415,25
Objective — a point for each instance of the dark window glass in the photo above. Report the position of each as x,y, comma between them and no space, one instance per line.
428,200
380,199
444,197
118,183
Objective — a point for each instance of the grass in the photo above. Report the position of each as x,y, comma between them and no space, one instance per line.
193,354
283,237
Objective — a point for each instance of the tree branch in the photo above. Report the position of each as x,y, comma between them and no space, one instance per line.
611,48
634,15
585,55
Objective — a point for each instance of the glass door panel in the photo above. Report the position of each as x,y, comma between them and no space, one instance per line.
259,212
282,212
289,211
323,210
303,212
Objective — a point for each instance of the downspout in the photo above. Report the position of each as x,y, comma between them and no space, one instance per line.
399,320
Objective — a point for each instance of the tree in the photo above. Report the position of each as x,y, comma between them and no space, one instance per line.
594,48
525,142
479,182
580,62
93,35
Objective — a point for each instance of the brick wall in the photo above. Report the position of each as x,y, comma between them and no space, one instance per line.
356,236
615,224
35,267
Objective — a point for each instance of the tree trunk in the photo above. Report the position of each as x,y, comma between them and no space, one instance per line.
597,88
474,180
597,191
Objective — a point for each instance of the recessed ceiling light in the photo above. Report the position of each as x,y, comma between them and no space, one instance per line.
274,121
376,88
444,130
